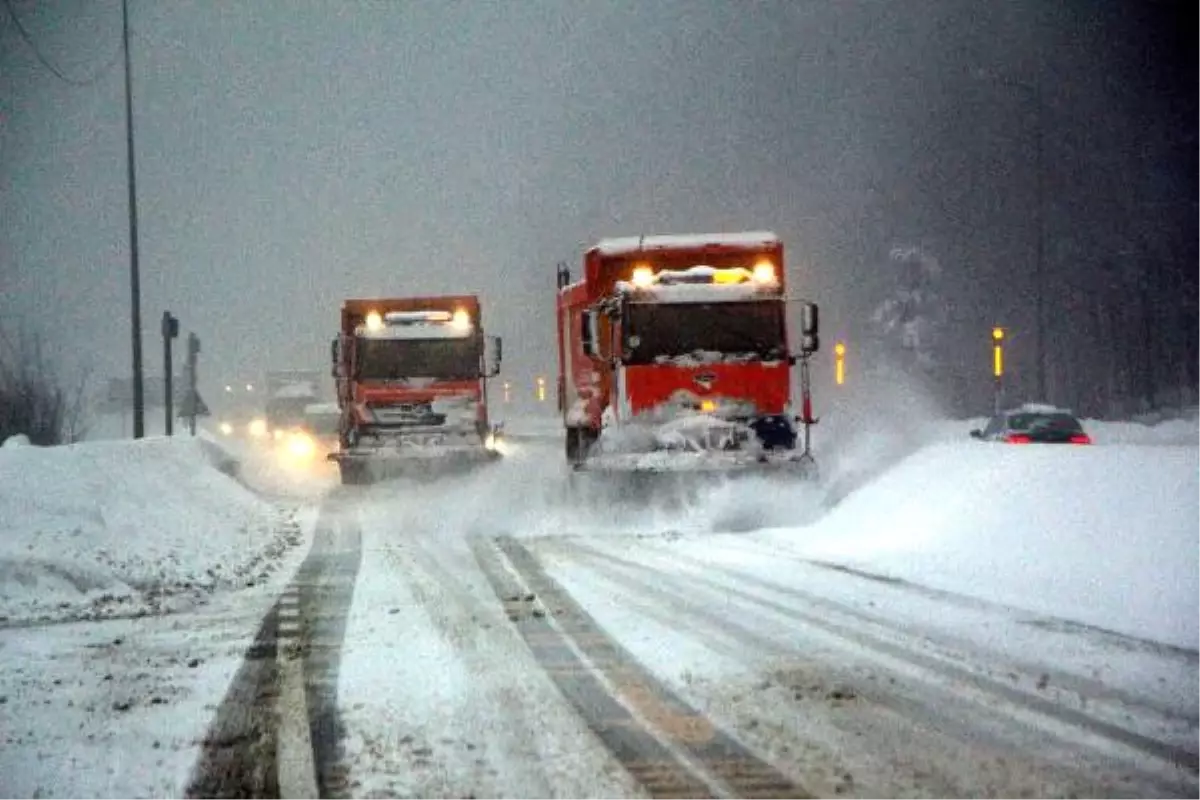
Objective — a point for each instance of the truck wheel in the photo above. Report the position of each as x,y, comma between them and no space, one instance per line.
572,446
352,474
579,442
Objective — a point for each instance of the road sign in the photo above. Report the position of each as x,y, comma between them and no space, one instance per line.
193,403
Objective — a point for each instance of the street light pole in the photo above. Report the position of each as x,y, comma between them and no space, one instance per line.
135,289
1040,278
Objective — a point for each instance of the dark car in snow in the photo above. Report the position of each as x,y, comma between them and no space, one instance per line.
1034,424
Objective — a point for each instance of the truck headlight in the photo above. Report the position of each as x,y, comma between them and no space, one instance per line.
257,428
764,272
301,446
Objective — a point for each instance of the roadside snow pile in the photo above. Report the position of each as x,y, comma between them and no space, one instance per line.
117,528
273,469
1167,432
1104,536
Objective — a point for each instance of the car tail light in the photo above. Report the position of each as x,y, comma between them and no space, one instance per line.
1017,438
1081,438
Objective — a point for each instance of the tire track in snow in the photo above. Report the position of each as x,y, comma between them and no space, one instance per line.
1087,703
237,756
834,619
277,732
665,744
324,588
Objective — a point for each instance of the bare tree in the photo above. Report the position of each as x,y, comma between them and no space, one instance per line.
34,401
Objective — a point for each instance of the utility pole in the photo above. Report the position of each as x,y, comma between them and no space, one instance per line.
1040,277
170,330
135,289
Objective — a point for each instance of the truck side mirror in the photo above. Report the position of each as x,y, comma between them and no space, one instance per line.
497,355
587,333
809,319
810,340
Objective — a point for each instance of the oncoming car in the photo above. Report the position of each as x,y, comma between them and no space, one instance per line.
1034,424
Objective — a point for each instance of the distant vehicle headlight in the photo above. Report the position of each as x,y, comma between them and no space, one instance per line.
226,429
257,428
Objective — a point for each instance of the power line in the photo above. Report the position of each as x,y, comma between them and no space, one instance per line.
48,64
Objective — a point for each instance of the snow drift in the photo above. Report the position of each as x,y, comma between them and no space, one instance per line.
115,528
1104,536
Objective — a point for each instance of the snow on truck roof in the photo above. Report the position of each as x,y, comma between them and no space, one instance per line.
637,244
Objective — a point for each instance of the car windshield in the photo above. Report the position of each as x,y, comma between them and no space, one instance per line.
1041,421
677,329
390,359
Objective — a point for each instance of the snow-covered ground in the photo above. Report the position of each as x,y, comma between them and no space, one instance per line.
1079,563
439,695
119,527
119,707
133,576
1105,536
530,426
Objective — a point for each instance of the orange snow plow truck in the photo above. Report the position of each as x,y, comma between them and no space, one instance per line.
674,355
411,377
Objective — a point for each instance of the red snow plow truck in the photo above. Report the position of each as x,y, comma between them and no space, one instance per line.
411,377
674,355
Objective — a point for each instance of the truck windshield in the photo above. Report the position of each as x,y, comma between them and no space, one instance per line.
390,359
732,329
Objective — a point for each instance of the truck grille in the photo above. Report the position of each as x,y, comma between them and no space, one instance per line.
407,414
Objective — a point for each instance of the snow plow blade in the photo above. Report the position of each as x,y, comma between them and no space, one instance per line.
374,467
671,463
677,480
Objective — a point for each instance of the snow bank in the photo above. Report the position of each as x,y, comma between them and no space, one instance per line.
114,528
1168,432
1105,536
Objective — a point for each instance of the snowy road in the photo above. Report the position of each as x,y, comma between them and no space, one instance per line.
435,662
488,634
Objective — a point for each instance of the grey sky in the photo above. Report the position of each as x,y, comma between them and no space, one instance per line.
292,153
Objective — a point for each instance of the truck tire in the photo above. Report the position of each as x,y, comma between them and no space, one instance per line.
352,474
579,442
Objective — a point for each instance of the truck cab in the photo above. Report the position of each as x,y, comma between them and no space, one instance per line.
411,381
683,340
